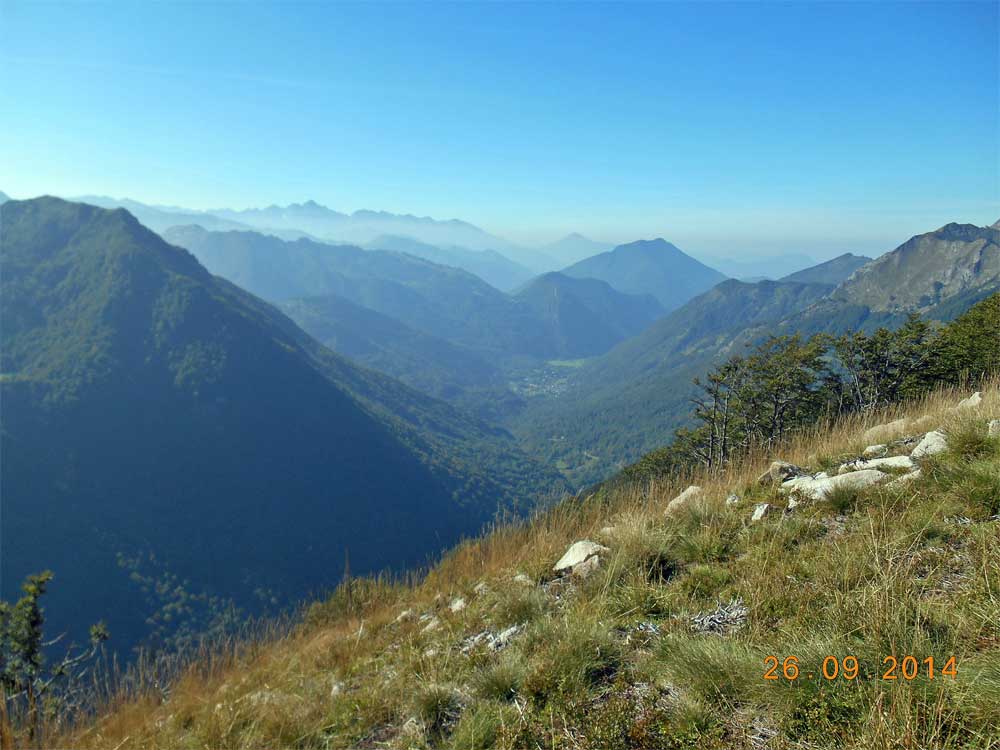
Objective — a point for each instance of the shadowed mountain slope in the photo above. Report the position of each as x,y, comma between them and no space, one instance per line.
173,445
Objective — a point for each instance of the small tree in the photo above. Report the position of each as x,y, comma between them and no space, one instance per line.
24,678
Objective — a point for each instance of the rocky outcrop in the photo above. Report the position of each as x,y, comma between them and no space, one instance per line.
778,472
577,553
682,499
932,443
817,488
891,462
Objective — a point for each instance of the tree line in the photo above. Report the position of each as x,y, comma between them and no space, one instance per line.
753,401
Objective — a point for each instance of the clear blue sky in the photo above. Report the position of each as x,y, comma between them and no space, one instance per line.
727,128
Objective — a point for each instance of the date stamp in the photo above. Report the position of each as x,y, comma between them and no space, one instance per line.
849,667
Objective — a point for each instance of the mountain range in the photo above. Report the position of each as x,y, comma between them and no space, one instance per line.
832,271
629,400
174,444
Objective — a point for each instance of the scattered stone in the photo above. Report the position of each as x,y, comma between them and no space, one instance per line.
892,462
759,512
457,605
522,579
405,616
972,401
682,499
792,504
493,641
933,443
726,618
577,553
588,566
878,432
875,451
818,489
993,430
432,624
480,588
778,472
732,499
905,479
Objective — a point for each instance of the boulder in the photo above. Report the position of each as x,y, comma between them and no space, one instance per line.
993,430
577,553
759,512
932,444
682,499
891,462
905,479
817,489
972,401
432,624
778,472
881,431
875,451
588,566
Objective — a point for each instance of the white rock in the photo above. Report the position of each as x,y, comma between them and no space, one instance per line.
480,588
433,624
972,401
759,512
336,688
874,451
577,553
817,489
883,430
430,653
732,498
905,479
522,579
457,604
933,443
405,616
588,566
504,637
793,503
681,500
892,462
994,428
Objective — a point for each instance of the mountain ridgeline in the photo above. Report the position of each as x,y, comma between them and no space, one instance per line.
176,449
441,301
631,399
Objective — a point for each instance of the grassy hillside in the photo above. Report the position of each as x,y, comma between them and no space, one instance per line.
664,641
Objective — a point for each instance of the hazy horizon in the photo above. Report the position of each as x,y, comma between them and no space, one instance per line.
828,130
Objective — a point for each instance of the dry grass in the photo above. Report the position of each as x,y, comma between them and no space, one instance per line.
896,575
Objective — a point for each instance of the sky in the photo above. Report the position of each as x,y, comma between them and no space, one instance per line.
733,129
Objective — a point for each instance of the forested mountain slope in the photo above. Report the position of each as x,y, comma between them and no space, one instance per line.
173,445
584,317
